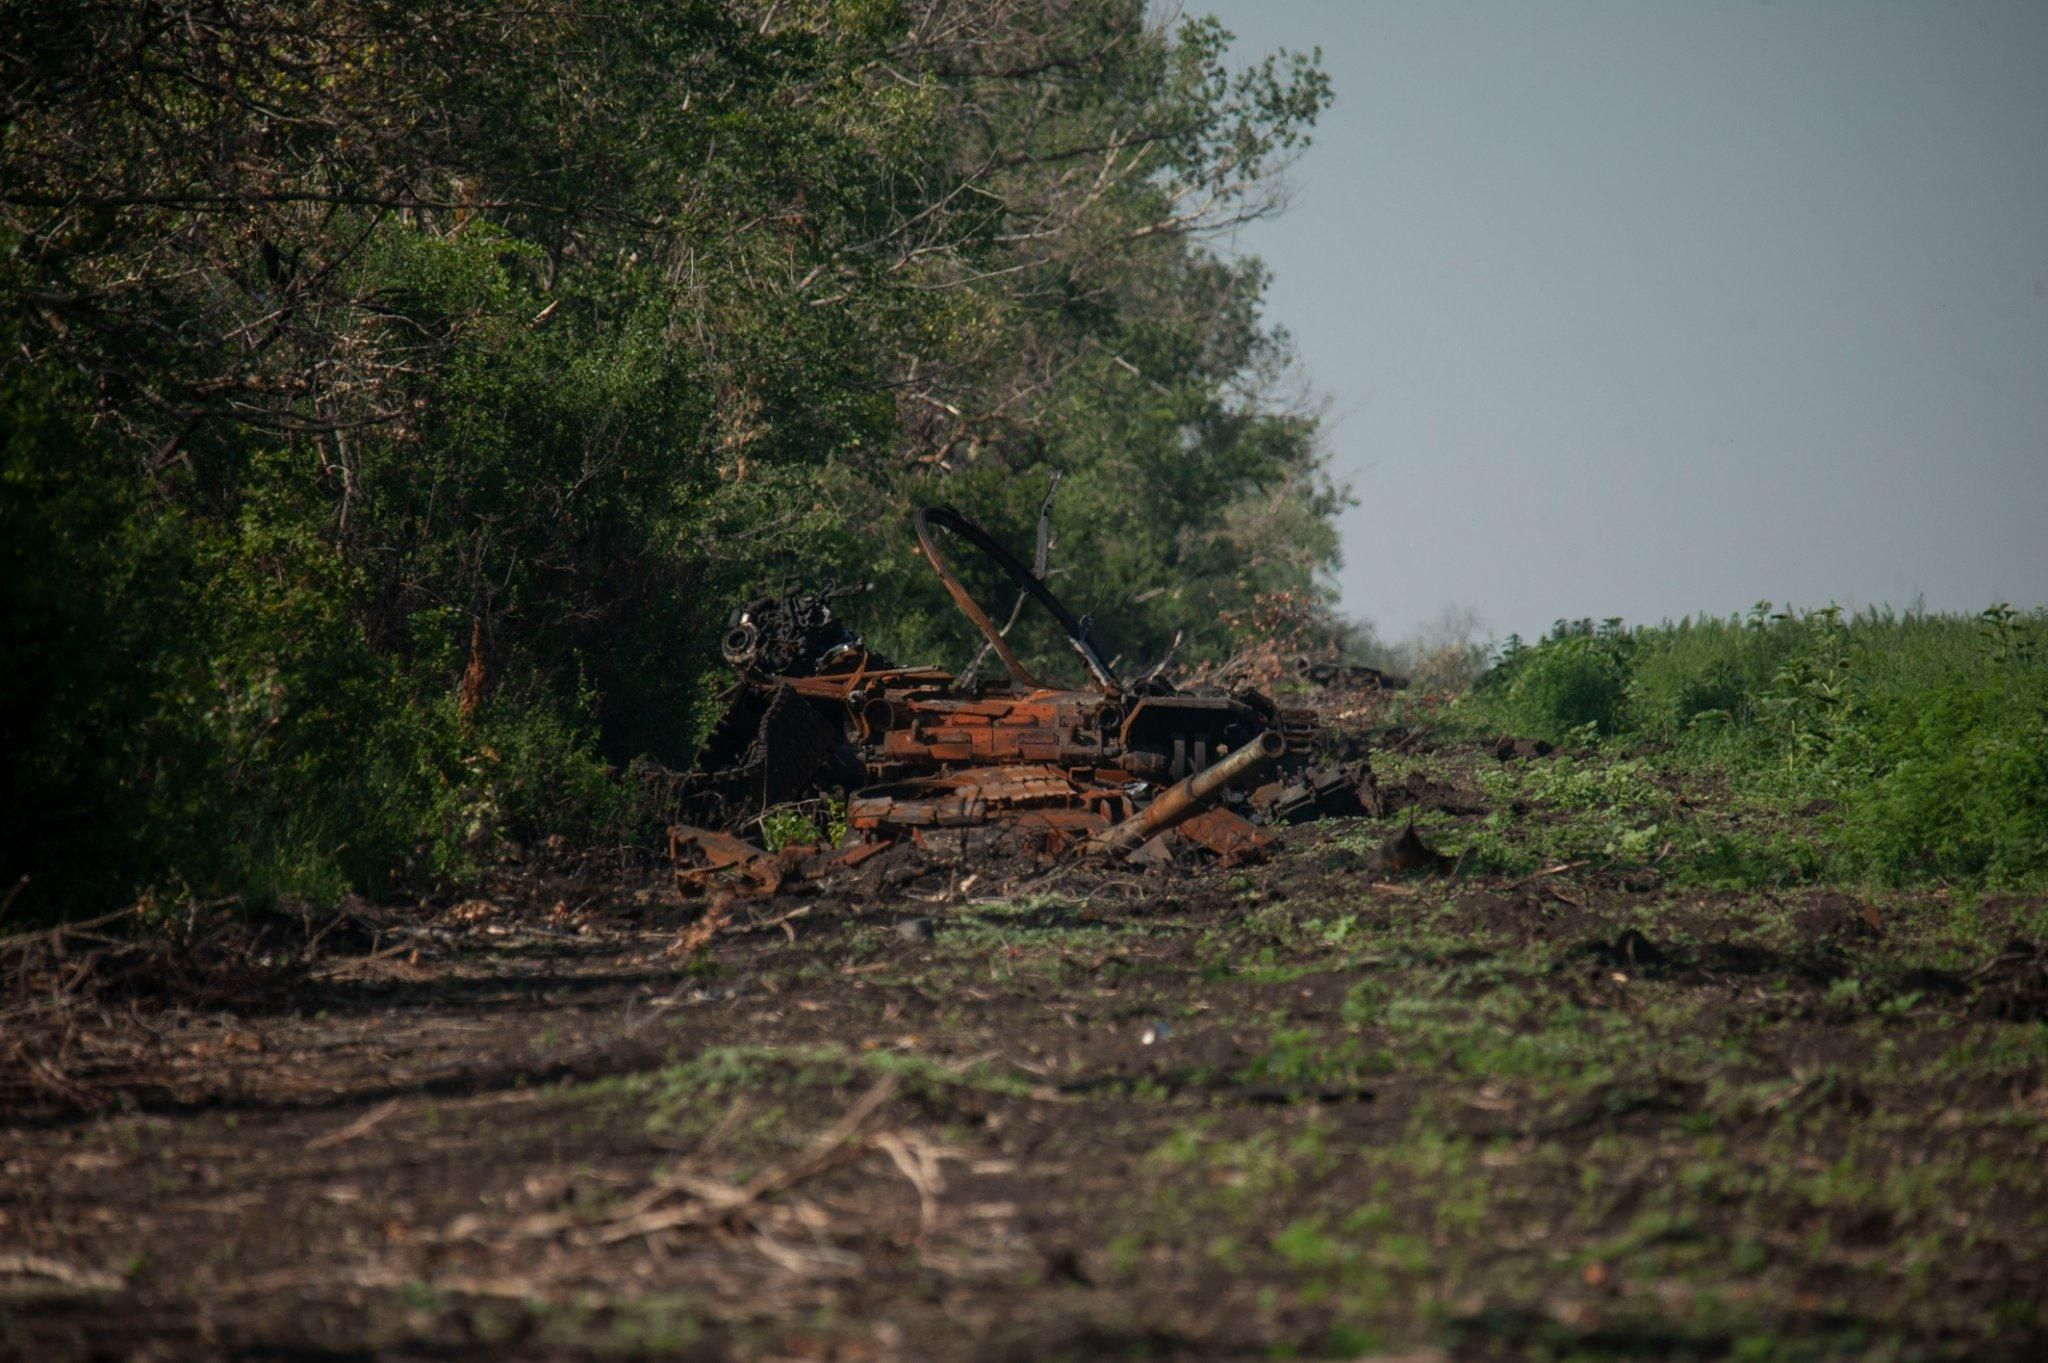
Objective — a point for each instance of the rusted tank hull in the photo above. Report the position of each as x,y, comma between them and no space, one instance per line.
1110,766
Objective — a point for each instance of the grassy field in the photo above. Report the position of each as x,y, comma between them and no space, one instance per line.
1925,735
1635,1079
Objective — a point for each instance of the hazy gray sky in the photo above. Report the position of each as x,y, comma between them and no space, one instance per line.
1646,309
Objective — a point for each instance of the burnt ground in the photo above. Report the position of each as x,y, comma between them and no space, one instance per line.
1512,1111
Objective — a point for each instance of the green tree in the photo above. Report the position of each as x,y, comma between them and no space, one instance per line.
401,394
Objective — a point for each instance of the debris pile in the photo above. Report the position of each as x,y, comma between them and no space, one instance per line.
1134,768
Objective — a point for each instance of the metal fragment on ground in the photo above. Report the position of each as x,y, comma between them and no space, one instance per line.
705,858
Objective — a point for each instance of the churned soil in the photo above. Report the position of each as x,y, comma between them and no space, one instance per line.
1295,1109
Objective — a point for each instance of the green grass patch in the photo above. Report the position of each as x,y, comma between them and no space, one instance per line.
1926,737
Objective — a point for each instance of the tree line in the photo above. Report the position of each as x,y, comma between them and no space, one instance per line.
399,393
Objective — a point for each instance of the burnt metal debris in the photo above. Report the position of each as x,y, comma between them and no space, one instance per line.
1126,768
1347,676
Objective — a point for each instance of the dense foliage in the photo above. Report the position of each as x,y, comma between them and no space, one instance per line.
1926,735
398,395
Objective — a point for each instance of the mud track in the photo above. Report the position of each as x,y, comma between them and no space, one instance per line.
1287,1110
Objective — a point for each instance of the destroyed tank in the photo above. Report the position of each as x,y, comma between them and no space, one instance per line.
1112,764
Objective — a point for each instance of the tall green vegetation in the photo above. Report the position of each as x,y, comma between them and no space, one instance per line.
1928,734
398,395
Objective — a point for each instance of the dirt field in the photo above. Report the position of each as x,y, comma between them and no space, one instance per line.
1294,1110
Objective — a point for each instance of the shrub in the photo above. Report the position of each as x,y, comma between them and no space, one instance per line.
1959,784
1704,670
1575,680
1930,733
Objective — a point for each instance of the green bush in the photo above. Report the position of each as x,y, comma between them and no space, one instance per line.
1958,784
198,708
1701,673
104,767
1929,733
1575,681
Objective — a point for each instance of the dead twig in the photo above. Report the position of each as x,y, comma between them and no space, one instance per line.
361,1126
1564,898
1559,869
356,966
26,1265
14,891
781,920
714,1201
917,1159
